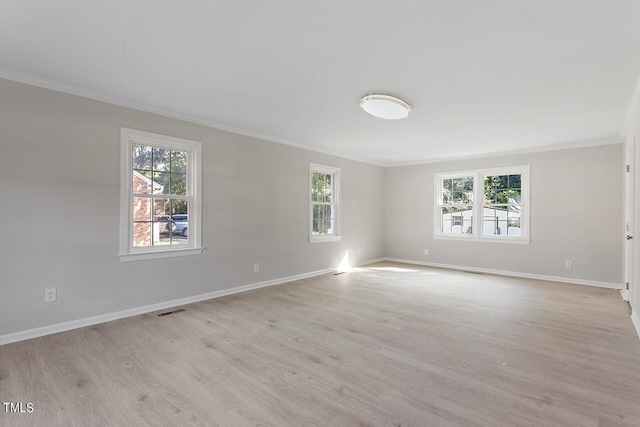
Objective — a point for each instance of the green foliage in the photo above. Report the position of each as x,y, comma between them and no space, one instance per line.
322,197
457,193
167,168
321,187
503,189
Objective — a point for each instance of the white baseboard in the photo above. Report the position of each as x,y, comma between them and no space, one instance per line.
636,321
624,295
513,274
102,318
93,320
370,261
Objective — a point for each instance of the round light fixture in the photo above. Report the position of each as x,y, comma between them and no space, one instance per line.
385,106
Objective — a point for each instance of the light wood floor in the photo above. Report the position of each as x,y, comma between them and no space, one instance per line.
387,344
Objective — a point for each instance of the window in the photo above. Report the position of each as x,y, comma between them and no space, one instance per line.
502,205
324,207
160,206
456,207
483,205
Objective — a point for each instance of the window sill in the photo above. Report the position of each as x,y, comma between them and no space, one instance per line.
139,256
511,240
323,239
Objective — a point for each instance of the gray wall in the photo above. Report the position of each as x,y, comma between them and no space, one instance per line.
633,137
59,180
576,214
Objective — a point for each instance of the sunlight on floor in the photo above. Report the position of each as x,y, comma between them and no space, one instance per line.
344,264
395,269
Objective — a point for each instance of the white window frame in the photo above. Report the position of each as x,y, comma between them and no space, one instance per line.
335,172
128,252
478,205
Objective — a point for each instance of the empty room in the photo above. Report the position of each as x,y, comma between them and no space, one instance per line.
415,213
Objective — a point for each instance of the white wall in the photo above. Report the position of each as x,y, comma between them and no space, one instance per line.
576,214
59,210
633,132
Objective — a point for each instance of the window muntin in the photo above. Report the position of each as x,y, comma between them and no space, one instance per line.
160,190
324,203
489,205
161,180
456,204
502,209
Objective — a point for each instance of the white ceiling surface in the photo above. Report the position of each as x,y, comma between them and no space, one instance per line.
482,76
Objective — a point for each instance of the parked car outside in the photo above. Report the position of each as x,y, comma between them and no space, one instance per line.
165,224
181,222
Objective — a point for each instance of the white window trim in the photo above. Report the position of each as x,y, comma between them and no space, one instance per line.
336,172
478,198
194,160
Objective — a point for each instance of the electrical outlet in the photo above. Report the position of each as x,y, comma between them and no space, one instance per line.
256,268
426,251
50,295
567,263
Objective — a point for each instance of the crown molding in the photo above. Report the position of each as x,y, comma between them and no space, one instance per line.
32,80
531,150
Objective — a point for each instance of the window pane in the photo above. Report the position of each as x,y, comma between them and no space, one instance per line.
180,239
161,183
464,183
141,157
462,197
178,184
491,184
494,221
514,197
142,182
457,220
515,181
162,230
178,162
447,197
513,221
490,187
169,183
162,223
502,197
323,219
141,209
457,190
501,221
468,183
180,209
458,184
141,234
161,159
321,187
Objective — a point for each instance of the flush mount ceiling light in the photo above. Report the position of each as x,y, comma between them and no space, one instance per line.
385,106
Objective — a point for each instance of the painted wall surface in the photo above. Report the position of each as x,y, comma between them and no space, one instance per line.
633,134
576,214
60,187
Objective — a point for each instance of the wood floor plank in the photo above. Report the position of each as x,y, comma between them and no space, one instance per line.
385,344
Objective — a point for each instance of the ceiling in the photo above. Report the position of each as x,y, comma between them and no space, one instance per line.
482,77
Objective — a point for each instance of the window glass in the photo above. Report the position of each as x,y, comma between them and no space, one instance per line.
158,195
324,199
483,204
